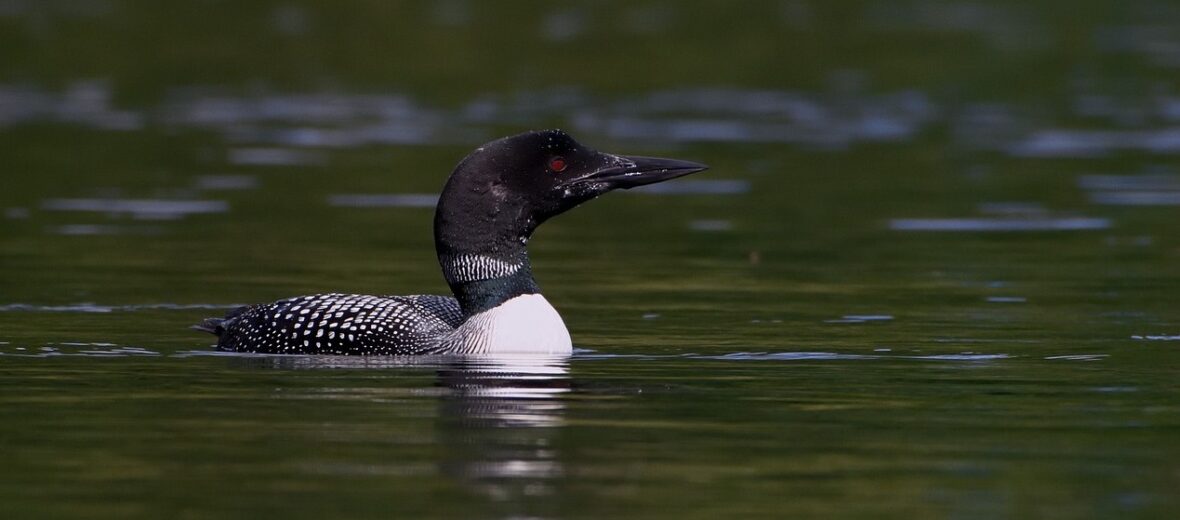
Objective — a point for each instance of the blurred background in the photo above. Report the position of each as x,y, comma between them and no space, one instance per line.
908,200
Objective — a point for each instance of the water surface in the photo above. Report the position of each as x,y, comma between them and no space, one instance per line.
932,272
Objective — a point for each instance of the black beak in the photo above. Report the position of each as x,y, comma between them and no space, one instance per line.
620,171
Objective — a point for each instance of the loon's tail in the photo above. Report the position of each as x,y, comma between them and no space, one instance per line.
216,326
211,325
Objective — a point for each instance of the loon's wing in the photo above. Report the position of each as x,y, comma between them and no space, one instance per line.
338,324
443,308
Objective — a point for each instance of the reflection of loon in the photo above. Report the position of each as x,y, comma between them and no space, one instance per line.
499,422
497,429
491,205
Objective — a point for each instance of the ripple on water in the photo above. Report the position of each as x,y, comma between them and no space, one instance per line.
225,182
786,356
1137,198
1136,182
1026,209
86,102
879,354
390,200
1095,143
1148,189
696,187
16,213
999,224
961,357
1006,299
151,209
1078,357
95,308
281,127
275,157
861,318
275,121
828,356
710,225
102,229
516,367
75,349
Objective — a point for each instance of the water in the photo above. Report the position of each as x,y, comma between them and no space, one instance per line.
931,273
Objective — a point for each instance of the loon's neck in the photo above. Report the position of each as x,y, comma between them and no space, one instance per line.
480,236
484,280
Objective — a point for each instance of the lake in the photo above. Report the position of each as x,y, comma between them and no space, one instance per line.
932,271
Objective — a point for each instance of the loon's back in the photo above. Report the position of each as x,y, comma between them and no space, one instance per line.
339,324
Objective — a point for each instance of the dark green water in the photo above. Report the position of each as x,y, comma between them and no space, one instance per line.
932,272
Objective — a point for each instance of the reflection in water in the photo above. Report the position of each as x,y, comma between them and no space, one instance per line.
497,416
499,422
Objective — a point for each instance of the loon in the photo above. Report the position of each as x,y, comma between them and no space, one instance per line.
491,204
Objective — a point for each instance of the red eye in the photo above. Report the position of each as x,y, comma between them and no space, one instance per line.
557,164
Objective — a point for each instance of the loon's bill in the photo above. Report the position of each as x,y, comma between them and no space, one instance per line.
489,208
631,171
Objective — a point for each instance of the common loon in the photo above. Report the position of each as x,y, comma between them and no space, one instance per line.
490,206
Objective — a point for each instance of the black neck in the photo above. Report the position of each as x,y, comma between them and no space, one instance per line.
476,296
483,257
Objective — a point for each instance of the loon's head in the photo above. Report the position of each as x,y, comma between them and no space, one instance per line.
507,187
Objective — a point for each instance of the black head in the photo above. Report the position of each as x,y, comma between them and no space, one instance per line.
506,188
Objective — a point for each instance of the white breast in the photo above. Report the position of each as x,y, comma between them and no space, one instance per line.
526,324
